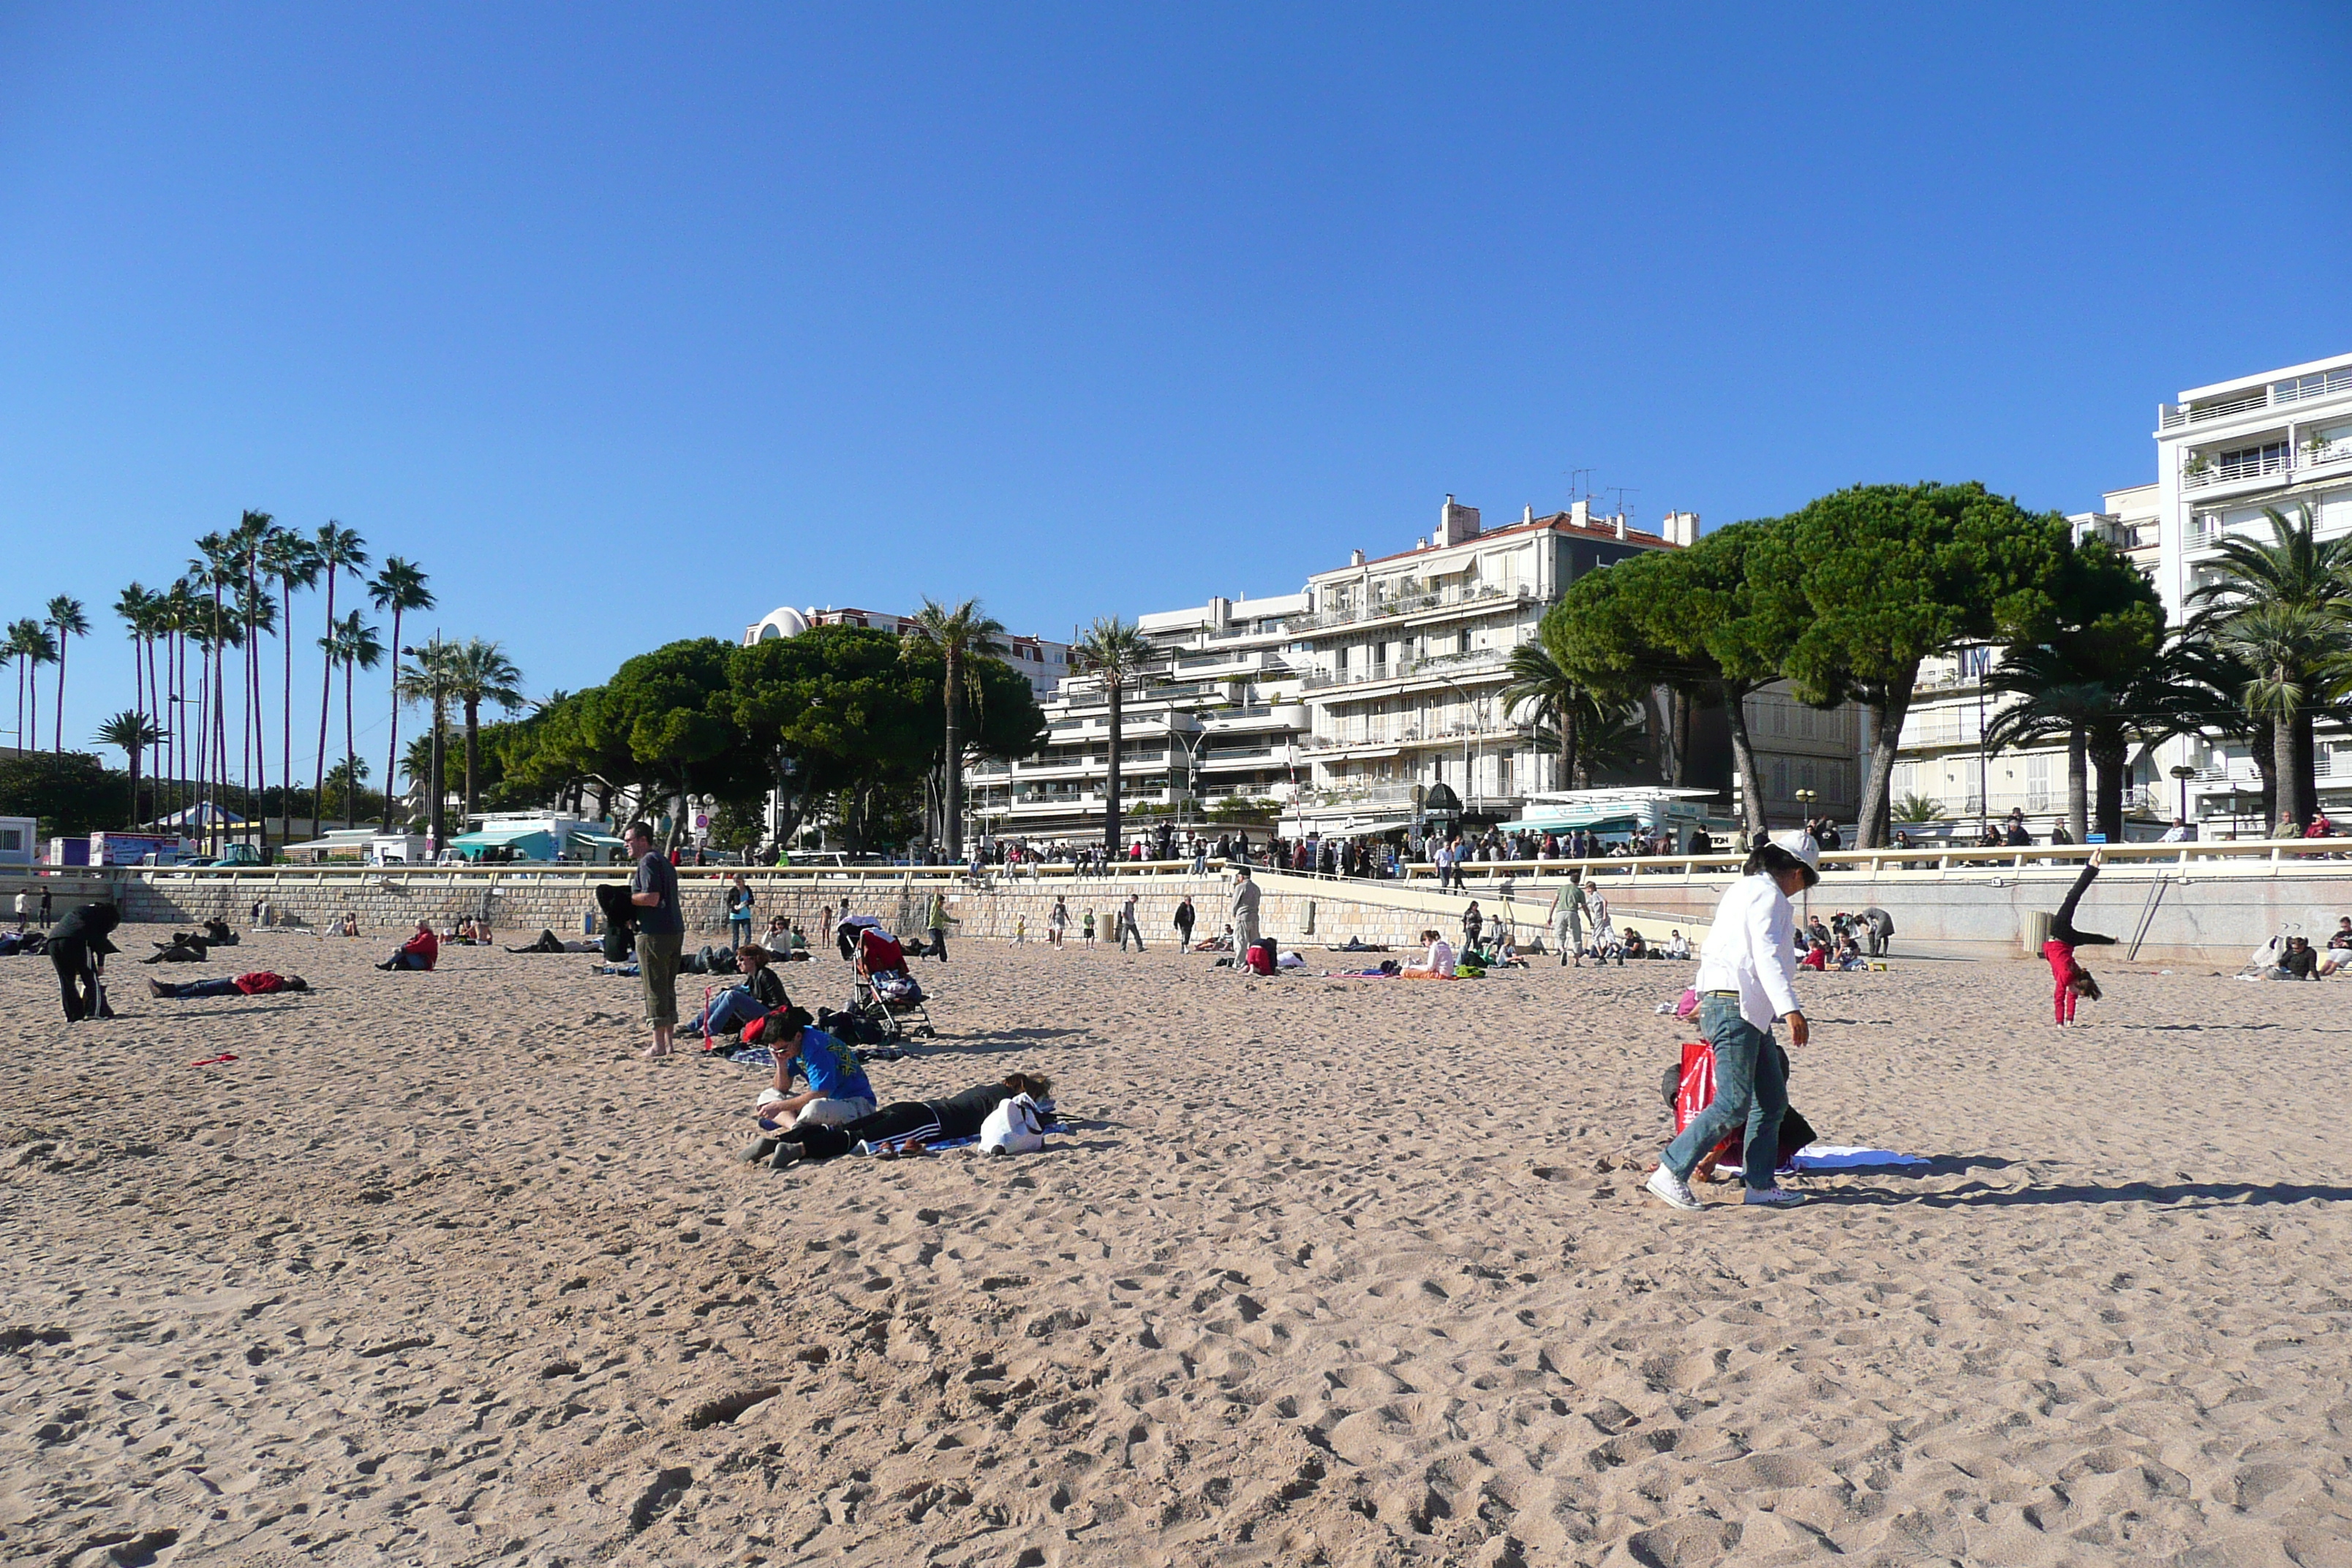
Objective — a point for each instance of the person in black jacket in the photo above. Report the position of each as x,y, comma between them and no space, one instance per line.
79,946
760,995
901,1128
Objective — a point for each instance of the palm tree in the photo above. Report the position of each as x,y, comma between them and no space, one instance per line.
67,620
2281,607
337,549
1541,685
353,646
13,649
479,672
426,680
131,731
1918,808
2099,700
291,562
960,634
1114,650
2210,689
399,587
34,646
135,606
211,569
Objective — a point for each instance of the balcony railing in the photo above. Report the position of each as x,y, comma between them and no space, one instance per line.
2214,471
2302,389
1406,604
1439,665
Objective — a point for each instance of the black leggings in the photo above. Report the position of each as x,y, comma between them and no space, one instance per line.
78,979
2062,928
893,1123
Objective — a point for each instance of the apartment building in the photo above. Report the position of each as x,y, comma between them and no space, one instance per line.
1404,659
1807,759
1212,723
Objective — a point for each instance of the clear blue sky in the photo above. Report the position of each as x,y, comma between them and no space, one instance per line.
630,324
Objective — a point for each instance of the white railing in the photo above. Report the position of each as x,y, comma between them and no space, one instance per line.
1404,670
1404,604
2215,471
2303,389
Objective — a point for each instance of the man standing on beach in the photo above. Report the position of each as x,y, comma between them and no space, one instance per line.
1244,918
1567,918
661,932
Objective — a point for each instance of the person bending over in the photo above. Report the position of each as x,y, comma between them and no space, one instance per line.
1437,963
899,1128
837,1090
2073,982
77,947
739,1006
261,983
422,950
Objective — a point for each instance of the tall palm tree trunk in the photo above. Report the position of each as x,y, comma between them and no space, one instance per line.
286,747
2078,809
953,795
2294,791
350,754
1111,785
326,704
392,747
473,747
57,720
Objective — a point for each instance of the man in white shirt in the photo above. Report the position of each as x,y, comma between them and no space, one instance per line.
1746,975
1246,895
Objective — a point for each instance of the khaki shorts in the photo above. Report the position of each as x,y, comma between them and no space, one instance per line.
657,967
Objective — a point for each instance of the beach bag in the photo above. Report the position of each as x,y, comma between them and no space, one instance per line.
1014,1127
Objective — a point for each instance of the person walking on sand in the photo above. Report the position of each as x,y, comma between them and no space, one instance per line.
1058,922
2073,982
738,911
1246,895
1185,919
661,933
935,920
1127,926
1747,979
1567,918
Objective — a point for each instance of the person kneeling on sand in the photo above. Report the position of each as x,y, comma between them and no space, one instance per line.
901,1128
261,983
837,1090
1436,964
422,950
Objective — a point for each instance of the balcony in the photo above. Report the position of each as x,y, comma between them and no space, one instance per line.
1479,661
2302,389
1407,605
2203,473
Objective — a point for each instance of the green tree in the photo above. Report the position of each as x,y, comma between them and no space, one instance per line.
399,588
961,635
2281,608
480,672
1879,578
67,620
2210,686
66,795
290,562
131,732
353,645
1113,652
1918,808
675,710
32,646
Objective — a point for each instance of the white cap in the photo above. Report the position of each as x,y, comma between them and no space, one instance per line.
1800,843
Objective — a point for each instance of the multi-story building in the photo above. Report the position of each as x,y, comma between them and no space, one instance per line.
1406,658
1210,725
1807,759
1043,660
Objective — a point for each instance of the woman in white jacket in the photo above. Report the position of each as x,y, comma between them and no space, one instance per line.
1747,974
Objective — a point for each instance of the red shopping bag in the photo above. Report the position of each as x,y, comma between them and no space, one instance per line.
1694,1091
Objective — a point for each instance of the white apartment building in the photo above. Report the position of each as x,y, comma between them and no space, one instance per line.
1214,719
1405,659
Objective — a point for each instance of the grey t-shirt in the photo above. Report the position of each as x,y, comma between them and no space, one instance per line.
656,874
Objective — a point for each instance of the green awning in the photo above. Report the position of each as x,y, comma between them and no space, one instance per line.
1568,822
495,837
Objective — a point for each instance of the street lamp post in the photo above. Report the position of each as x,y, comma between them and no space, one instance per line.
1469,763
2183,772
431,656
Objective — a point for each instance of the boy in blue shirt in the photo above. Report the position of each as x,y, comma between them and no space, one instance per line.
838,1091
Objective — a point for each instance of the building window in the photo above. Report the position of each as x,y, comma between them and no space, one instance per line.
2037,782
1779,790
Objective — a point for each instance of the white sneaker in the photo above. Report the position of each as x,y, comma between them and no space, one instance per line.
1773,1197
1672,1189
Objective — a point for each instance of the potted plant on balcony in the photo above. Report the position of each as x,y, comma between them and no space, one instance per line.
2315,448
2197,468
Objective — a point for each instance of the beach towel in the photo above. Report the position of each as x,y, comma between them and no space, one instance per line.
1839,1157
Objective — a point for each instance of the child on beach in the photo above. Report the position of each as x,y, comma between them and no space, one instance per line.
837,1091
2073,982
1020,928
1088,929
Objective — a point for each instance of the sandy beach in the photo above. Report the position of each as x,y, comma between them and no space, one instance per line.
1323,1271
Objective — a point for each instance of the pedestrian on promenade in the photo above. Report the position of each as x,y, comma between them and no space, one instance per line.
661,933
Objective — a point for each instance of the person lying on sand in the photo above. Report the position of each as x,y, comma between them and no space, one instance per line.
904,1127
261,983
838,1091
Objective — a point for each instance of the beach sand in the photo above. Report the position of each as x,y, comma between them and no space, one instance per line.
1355,1272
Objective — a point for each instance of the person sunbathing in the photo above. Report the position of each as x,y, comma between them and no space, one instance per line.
1437,963
903,1127
422,950
261,983
186,947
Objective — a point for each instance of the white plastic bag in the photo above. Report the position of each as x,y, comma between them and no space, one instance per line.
1013,1128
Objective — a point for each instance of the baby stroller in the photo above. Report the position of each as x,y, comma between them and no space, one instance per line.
884,993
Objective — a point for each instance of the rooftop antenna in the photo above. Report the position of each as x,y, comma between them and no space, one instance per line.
1578,484
1618,505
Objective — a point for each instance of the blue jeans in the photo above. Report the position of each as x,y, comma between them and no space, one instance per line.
194,988
729,1011
738,928
1749,1085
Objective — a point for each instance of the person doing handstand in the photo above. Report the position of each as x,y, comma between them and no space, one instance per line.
2072,979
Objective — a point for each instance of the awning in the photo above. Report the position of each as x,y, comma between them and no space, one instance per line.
599,840
1597,821
495,838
